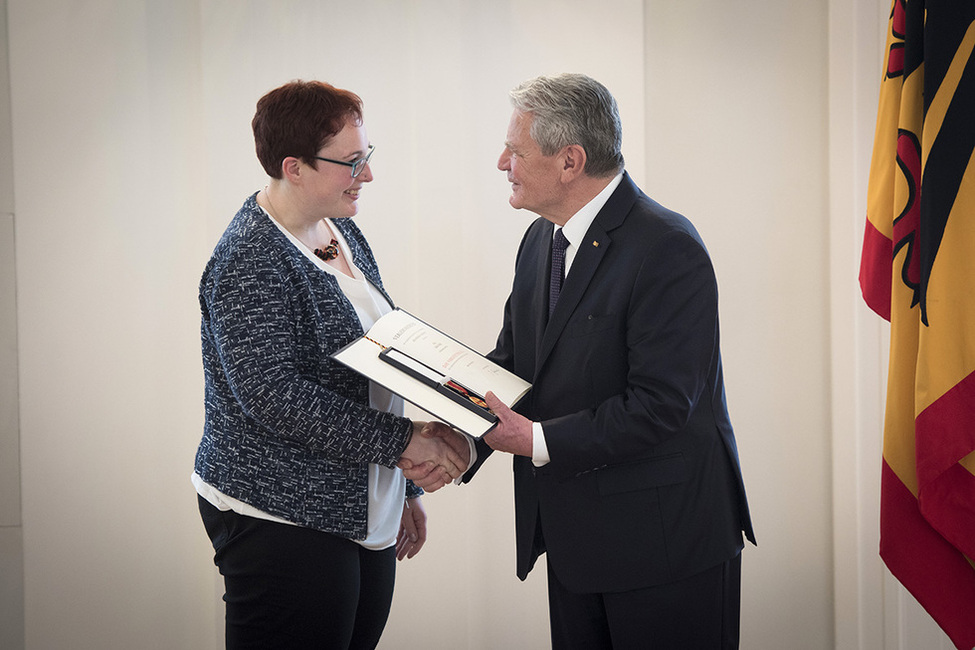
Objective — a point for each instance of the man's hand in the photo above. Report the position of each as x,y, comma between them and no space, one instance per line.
435,456
513,432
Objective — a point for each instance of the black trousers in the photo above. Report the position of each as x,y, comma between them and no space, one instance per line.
293,587
701,612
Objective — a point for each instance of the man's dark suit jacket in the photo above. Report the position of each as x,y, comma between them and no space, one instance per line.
644,485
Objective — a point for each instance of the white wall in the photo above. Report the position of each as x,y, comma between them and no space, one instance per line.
132,151
11,531
108,185
737,141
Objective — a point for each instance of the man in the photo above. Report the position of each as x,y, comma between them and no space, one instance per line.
625,465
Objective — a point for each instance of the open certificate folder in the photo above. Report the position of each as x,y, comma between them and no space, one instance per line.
433,371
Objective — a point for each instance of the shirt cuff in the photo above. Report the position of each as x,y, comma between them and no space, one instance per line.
539,446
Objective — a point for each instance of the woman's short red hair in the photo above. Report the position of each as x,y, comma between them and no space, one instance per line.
298,119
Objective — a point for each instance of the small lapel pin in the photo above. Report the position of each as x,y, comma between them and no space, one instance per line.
595,244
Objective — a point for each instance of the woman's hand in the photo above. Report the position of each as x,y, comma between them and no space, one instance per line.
412,529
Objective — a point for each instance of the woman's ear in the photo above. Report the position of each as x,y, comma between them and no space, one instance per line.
291,169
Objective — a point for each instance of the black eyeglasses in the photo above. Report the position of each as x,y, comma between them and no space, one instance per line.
357,165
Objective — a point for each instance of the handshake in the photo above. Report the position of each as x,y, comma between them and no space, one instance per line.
435,456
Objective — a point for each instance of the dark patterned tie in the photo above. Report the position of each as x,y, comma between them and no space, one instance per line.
559,244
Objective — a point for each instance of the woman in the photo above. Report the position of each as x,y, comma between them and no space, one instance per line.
296,473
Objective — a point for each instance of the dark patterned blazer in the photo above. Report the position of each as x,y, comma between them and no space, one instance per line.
288,430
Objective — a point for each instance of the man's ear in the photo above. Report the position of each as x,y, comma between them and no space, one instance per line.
573,158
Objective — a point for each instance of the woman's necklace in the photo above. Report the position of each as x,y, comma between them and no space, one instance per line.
326,254
329,253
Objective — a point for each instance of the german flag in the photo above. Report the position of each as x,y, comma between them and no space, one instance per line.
918,271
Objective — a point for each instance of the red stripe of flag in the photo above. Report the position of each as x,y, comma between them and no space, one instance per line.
928,566
875,270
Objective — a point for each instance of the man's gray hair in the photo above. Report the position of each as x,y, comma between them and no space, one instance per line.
574,109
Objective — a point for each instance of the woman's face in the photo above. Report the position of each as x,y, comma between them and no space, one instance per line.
332,189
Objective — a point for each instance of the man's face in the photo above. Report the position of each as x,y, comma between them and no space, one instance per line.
534,177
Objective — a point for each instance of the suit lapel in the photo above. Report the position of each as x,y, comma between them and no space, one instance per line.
593,249
587,260
540,299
